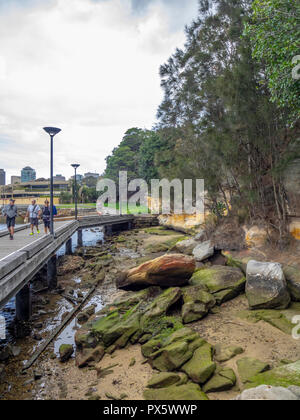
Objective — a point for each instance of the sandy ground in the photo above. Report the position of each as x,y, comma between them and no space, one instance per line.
114,378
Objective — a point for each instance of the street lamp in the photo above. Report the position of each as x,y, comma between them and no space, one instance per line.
52,131
75,166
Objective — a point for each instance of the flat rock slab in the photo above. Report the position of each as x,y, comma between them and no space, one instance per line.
249,367
270,393
188,392
285,376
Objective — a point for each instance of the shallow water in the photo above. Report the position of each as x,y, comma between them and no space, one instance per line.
90,237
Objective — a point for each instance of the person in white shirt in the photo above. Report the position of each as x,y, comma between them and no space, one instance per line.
33,213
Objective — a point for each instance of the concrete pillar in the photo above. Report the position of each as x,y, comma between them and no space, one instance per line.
80,240
108,230
69,247
23,304
52,273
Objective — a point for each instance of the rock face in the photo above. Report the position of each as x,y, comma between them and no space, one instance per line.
224,283
266,287
197,303
270,393
166,271
203,251
292,275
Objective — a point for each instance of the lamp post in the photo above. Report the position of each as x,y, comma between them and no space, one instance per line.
52,131
75,166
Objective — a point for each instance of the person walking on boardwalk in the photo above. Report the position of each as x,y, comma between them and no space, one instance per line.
46,216
11,212
33,213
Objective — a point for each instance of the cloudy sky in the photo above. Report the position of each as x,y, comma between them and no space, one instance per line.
89,67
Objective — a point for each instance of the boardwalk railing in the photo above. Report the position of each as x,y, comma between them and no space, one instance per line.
18,268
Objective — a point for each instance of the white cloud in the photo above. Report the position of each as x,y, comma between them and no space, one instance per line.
89,67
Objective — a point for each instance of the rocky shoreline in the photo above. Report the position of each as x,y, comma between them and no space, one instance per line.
171,318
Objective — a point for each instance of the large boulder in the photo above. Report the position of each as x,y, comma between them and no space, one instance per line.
89,357
224,283
266,286
203,251
270,393
292,275
188,392
197,303
166,271
165,379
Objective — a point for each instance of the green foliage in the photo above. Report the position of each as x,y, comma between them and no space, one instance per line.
274,31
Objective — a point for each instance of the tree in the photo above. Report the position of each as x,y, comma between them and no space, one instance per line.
274,30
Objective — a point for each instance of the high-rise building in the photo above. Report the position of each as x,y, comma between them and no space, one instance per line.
15,180
28,174
2,177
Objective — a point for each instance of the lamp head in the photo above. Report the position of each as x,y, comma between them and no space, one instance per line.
52,131
75,165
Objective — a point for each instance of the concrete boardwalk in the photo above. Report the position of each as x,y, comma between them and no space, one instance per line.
22,238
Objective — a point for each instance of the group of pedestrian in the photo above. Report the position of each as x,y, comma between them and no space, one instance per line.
33,215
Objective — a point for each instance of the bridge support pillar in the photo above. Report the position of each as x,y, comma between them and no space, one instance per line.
69,247
108,230
130,225
23,304
80,240
52,273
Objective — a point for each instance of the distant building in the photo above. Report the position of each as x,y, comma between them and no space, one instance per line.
59,178
91,175
28,174
2,177
15,180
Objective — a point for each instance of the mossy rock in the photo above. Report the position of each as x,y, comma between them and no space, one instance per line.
224,283
240,263
165,379
161,304
197,303
223,354
65,352
285,376
223,380
200,367
187,392
173,351
249,367
278,319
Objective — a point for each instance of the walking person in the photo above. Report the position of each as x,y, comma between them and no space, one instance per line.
46,216
11,212
33,213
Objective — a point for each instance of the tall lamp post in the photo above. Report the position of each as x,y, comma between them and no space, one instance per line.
75,166
52,131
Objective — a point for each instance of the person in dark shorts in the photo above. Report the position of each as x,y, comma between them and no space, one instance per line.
46,216
33,213
11,212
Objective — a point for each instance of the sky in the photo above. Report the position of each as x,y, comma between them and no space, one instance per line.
89,67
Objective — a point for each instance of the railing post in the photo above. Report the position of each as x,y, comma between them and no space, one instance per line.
80,240
69,247
23,304
52,273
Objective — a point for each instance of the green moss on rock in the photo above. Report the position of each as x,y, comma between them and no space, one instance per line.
249,367
188,392
200,367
